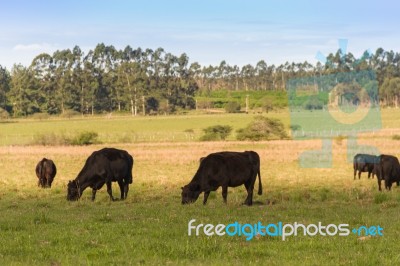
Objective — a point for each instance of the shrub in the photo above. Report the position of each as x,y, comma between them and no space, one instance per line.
313,103
86,138
396,137
232,107
4,114
51,139
204,105
217,132
262,128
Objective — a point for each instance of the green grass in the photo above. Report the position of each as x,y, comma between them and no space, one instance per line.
124,129
127,129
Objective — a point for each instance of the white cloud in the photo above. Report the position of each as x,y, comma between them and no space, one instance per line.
33,47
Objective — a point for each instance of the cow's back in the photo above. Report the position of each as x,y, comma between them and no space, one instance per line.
230,168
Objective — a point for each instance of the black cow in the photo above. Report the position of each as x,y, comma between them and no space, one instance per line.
224,169
389,170
45,171
364,163
103,167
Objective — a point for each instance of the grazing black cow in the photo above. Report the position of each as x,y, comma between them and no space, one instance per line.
224,169
364,163
103,167
45,171
389,170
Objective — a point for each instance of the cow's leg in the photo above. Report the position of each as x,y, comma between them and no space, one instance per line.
249,187
359,174
126,189
225,193
94,193
206,194
122,189
387,185
379,183
109,190
355,173
369,174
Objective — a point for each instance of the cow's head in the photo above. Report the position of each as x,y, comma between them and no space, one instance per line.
73,192
190,193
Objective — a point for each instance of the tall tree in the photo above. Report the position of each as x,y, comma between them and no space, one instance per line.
5,80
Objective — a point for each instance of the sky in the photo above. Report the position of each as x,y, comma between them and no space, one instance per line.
237,31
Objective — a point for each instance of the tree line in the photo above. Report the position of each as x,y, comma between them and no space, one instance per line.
146,81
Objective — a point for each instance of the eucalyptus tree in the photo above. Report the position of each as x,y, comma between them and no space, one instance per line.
23,91
89,84
131,80
44,72
5,79
67,93
262,74
105,60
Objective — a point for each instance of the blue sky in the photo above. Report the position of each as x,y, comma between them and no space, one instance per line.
239,32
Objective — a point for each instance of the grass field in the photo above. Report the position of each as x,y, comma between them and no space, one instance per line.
39,227
127,129
123,129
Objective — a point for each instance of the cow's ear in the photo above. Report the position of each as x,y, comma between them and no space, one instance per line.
194,187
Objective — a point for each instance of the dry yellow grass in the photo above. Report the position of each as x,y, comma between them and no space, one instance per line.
171,165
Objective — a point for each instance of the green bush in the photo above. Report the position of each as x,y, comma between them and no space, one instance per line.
217,132
313,103
262,128
232,107
86,138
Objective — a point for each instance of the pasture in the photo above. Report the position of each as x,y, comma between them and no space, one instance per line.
39,227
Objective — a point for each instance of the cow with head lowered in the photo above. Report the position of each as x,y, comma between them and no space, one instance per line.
103,167
45,171
224,169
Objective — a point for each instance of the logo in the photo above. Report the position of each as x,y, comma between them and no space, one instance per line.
339,100
282,230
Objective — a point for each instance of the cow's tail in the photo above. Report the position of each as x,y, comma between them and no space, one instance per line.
130,178
41,169
259,182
